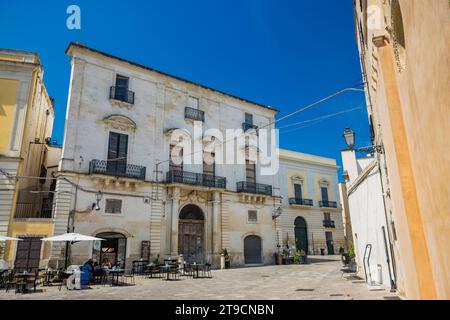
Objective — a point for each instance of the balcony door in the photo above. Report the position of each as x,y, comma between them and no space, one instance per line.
121,88
297,191
117,153
324,193
209,169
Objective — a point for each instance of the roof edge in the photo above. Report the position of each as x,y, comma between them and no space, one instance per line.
83,46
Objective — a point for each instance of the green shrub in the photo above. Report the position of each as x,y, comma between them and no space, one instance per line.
351,251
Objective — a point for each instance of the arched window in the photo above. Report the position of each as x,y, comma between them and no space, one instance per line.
398,35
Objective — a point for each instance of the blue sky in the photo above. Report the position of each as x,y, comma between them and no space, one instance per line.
285,54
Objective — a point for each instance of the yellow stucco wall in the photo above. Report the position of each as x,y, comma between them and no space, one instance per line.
32,229
8,95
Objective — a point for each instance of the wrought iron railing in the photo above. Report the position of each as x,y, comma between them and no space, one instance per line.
30,211
328,204
247,126
192,178
301,201
328,223
121,94
194,114
117,169
251,187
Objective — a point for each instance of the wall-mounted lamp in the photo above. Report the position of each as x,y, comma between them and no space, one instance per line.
349,137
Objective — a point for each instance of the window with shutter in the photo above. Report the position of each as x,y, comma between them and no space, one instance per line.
193,102
298,190
208,164
324,192
249,118
250,169
121,87
175,153
117,152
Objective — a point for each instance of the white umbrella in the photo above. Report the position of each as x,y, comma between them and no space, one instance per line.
5,238
71,237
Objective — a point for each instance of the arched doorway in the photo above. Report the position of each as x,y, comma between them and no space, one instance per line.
252,250
191,233
301,234
112,248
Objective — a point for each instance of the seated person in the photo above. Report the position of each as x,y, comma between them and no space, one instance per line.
88,269
106,263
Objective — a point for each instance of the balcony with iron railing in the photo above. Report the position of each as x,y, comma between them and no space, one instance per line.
117,169
196,179
252,187
301,201
328,223
194,114
328,204
121,94
26,210
248,126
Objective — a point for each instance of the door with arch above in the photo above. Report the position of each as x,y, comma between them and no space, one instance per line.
301,234
191,233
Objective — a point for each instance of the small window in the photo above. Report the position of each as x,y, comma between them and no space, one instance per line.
193,102
326,216
113,206
394,231
252,215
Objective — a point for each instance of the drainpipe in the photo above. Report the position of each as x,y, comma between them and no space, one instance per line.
389,253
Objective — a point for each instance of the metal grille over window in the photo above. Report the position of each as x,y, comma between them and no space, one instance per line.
252,215
113,206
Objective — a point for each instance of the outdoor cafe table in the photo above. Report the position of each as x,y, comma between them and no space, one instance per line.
49,274
197,267
115,274
22,277
166,269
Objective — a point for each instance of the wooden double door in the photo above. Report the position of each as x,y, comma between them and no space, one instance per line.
191,240
28,254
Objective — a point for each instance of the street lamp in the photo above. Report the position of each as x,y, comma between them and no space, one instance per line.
98,198
349,137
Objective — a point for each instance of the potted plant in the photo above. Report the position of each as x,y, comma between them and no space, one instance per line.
303,257
296,258
227,258
286,256
351,258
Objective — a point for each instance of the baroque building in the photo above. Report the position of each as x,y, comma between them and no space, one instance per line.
311,217
123,176
121,131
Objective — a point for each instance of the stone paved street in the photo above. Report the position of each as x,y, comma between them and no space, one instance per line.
321,279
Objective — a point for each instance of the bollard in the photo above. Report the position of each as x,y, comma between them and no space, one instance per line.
181,262
222,261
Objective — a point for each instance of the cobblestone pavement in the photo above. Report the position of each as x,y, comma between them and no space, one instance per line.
321,279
